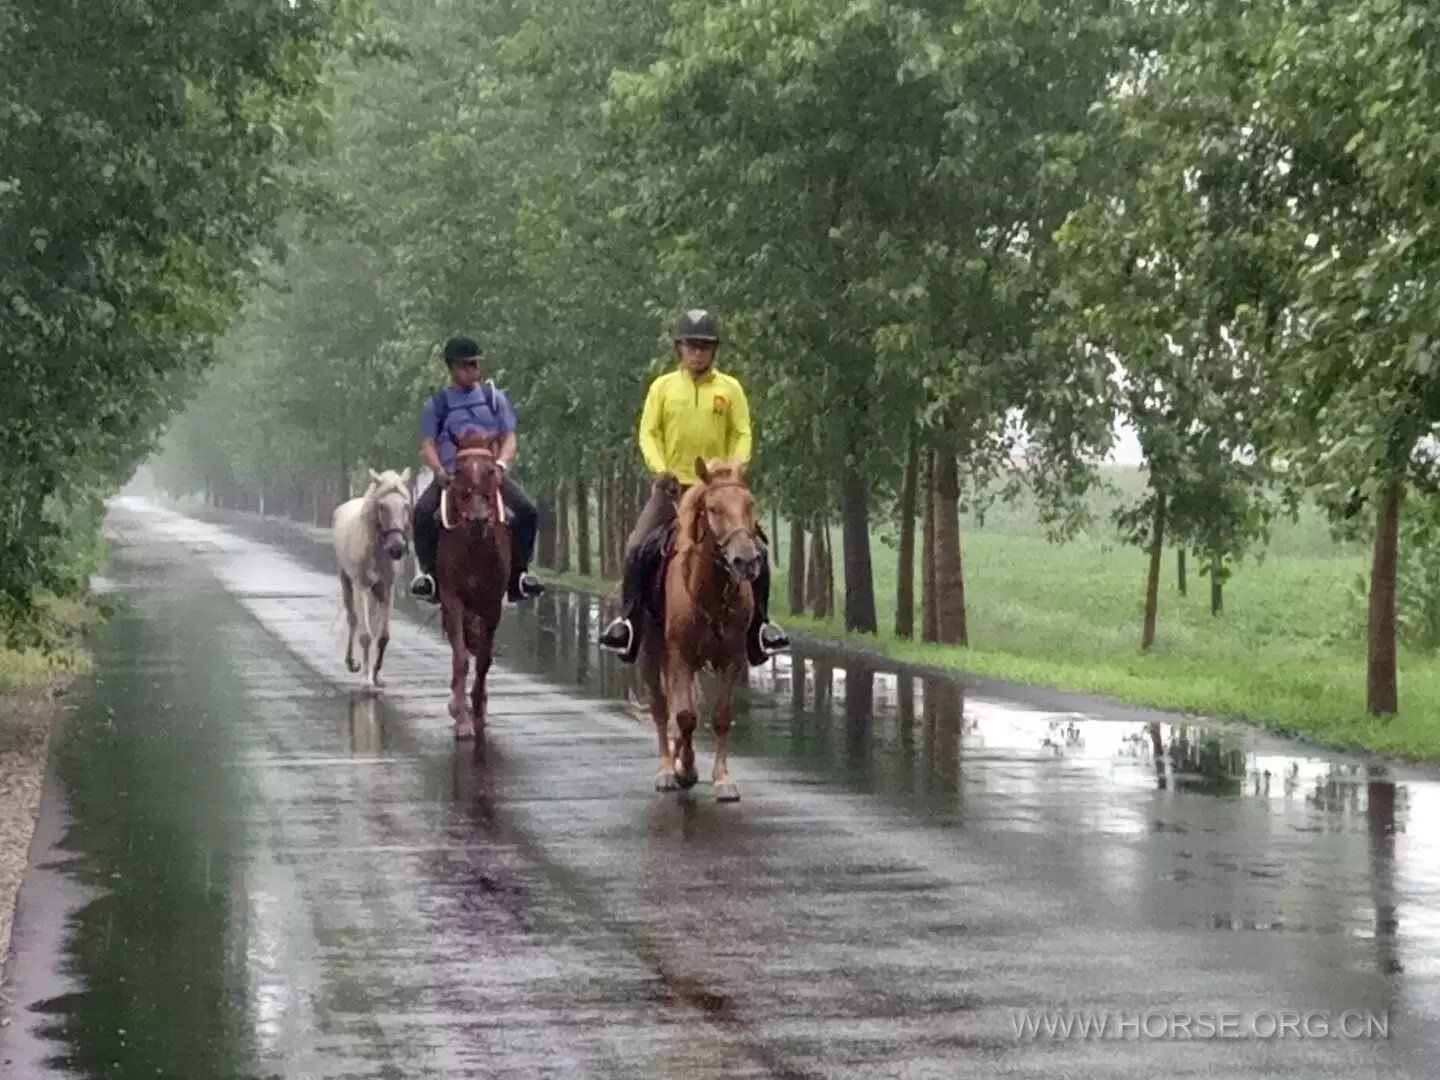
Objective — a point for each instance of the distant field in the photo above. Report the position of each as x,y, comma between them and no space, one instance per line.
1288,651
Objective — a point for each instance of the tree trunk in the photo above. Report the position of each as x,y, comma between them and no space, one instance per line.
602,515
1180,569
818,596
620,523
796,584
545,537
775,554
859,580
1152,583
949,573
905,579
1381,692
562,528
1217,586
929,603
829,539
582,524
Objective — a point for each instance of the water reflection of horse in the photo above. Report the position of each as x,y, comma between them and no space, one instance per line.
708,603
472,568
371,534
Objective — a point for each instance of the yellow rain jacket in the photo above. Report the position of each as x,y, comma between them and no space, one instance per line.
685,419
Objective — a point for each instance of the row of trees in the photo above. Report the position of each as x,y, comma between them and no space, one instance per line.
953,245
145,151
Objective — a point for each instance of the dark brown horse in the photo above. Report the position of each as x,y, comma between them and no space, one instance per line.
471,569
708,605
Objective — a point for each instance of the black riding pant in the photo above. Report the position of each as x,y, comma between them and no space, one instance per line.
525,522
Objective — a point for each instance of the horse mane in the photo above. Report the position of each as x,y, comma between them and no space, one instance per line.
692,503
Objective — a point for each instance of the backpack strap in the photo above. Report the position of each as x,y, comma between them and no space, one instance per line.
440,405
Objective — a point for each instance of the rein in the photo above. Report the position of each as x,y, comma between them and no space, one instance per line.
469,452
729,587
372,512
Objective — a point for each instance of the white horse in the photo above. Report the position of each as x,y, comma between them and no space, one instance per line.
371,535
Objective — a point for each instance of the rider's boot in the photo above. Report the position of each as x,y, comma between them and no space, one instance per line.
622,635
424,588
764,640
620,638
524,586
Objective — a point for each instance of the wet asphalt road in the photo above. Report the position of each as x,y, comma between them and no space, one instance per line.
244,868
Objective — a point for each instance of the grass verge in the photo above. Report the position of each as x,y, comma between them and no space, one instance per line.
1285,654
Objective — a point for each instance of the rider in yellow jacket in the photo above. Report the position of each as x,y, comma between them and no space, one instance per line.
692,412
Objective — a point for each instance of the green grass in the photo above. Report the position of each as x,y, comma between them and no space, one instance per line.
1287,653
65,623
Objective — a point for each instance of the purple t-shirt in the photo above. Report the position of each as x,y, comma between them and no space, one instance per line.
482,408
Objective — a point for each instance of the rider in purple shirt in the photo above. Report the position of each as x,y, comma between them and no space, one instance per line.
466,405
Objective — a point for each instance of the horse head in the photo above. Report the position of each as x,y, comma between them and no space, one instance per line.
475,487
721,509
388,506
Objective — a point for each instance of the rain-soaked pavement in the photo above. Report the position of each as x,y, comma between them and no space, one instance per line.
246,869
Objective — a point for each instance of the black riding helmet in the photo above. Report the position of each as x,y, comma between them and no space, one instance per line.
697,325
459,349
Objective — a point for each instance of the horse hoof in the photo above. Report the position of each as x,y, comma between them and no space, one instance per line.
687,780
666,782
378,683
454,712
464,731
726,791
352,665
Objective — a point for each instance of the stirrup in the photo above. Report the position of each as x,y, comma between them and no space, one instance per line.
424,588
611,639
526,587
772,639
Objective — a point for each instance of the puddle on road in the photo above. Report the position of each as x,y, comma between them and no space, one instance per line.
924,732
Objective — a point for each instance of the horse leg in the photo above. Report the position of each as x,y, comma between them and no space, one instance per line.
382,630
459,670
367,673
484,649
680,695
347,590
686,774
652,654
721,781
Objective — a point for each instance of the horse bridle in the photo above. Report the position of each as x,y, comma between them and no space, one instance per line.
401,532
470,451
718,554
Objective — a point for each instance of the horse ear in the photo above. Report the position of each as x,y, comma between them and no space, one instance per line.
405,476
701,470
742,472
375,476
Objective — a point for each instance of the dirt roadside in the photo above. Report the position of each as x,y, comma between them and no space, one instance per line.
25,721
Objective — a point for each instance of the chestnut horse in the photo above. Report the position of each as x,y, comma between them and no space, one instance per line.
707,609
472,567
